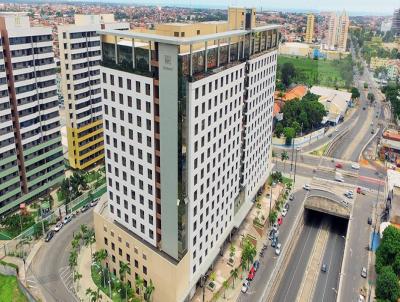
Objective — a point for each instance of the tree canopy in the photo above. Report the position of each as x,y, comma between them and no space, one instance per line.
301,116
288,73
388,265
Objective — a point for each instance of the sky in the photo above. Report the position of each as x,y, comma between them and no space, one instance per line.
371,7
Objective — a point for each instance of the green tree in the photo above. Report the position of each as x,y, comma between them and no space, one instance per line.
94,296
387,285
278,129
139,285
289,134
288,73
123,269
355,93
371,97
149,291
89,239
225,284
274,155
234,275
73,259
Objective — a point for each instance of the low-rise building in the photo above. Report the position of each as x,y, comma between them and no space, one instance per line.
378,62
295,49
390,146
335,102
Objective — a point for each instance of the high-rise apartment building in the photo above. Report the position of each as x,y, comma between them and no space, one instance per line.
396,22
338,28
310,28
188,127
80,56
31,159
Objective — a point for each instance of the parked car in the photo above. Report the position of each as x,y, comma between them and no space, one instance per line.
307,187
274,243
58,226
271,234
245,286
291,197
67,219
369,220
256,265
278,249
85,208
324,268
49,235
286,206
280,220
339,166
349,194
284,212
364,272
355,166
251,274
94,202
275,227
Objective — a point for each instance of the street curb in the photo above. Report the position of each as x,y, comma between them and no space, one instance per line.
368,142
343,264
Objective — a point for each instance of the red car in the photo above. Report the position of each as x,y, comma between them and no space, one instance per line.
339,166
360,191
252,273
280,220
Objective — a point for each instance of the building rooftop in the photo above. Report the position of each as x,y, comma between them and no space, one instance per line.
392,135
297,91
185,40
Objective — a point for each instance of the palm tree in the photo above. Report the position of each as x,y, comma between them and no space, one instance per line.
225,284
149,291
123,269
84,229
139,284
89,239
243,267
73,259
93,295
99,257
284,157
234,275
77,277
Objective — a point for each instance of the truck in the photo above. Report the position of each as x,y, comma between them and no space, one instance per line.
339,177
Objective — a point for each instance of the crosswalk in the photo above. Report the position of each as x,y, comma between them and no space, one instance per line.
66,277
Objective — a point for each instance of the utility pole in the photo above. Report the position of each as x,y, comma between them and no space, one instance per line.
295,166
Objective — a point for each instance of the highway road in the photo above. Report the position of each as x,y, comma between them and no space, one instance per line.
268,261
327,284
50,269
290,283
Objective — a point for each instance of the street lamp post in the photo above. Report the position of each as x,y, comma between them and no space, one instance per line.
295,166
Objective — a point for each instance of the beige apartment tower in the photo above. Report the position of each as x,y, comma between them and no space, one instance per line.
80,56
310,29
338,28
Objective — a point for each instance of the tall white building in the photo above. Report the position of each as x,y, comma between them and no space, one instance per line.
31,159
188,127
80,56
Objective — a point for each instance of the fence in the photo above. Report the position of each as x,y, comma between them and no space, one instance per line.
300,141
20,246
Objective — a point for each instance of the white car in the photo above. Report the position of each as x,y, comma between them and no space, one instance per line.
284,212
275,227
355,166
278,249
58,226
67,219
245,286
307,187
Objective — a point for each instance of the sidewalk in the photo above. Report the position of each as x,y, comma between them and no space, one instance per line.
84,268
222,268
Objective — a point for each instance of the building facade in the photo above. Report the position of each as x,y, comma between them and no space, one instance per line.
31,159
80,55
338,28
188,128
310,28
396,22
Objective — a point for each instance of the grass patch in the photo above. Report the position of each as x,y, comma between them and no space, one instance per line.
92,176
9,290
315,72
60,195
320,151
286,180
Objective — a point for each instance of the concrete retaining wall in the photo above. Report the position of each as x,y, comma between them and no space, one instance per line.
300,141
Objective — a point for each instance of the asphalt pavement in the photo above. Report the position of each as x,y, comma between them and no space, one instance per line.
50,270
328,282
269,259
290,283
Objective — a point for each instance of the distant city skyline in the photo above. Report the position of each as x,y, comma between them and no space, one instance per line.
354,7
